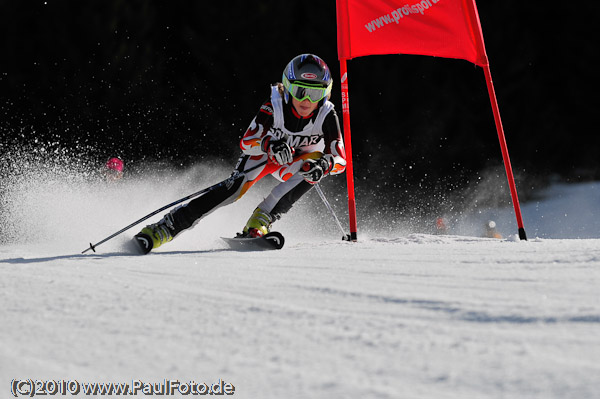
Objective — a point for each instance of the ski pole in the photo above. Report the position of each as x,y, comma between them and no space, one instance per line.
345,237
229,180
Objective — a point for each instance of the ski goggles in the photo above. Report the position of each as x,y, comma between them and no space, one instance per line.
303,91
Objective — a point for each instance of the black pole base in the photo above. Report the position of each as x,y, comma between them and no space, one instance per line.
522,234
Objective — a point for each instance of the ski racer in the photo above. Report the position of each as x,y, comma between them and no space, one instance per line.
114,169
295,137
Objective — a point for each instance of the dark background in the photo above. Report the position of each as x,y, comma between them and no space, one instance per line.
180,81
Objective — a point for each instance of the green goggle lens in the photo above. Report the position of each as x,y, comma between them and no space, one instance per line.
302,92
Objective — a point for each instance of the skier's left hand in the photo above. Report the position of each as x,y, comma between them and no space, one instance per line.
313,170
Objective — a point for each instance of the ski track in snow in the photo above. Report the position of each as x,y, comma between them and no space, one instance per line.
391,316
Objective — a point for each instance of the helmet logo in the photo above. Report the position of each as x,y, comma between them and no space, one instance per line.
309,75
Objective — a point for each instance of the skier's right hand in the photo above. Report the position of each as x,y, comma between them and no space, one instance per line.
280,152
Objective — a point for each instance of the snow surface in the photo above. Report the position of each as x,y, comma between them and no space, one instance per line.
394,315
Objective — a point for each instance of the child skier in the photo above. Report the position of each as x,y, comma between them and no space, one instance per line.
295,137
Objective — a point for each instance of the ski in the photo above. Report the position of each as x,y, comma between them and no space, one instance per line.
140,244
272,240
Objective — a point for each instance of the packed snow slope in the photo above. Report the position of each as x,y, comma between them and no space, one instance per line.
398,314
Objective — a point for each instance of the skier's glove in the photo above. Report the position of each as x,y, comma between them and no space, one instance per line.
313,170
280,152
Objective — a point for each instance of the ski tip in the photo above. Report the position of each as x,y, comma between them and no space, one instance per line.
141,244
270,241
275,238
